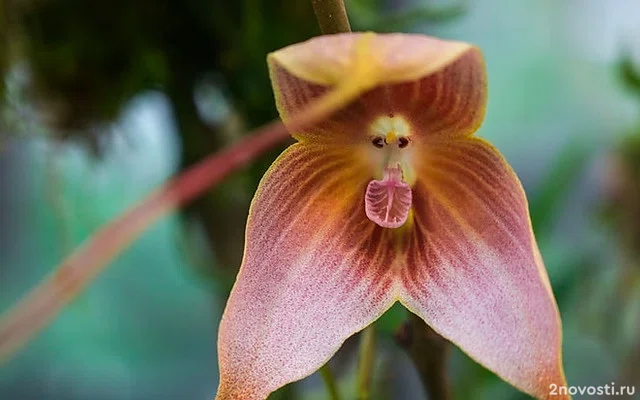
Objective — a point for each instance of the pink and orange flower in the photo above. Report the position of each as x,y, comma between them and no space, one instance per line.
390,198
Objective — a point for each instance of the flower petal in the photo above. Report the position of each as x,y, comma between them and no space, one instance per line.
437,85
314,273
327,60
474,271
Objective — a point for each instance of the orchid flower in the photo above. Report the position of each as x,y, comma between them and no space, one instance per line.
390,198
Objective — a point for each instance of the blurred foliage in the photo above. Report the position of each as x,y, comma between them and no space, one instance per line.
546,203
623,207
366,15
88,58
4,54
629,74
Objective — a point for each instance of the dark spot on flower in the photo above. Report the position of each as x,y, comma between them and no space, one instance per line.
378,142
403,142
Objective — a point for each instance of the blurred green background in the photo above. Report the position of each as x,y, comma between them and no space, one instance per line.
102,101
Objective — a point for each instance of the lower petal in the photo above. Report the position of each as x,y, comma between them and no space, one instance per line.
314,273
474,272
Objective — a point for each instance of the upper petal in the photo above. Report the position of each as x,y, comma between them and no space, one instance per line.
474,272
436,84
314,273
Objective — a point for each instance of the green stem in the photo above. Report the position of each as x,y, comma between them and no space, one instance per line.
330,382
331,16
367,362
430,353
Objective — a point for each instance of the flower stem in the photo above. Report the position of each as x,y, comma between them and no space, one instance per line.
331,16
429,352
330,382
367,362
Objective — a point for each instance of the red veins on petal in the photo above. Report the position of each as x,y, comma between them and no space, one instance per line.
388,201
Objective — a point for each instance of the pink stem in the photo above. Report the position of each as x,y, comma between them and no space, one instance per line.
43,303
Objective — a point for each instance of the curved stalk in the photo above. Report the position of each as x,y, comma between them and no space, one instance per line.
43,303
430,354
367,362
330,382
331,16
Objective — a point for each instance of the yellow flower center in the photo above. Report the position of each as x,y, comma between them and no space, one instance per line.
391,139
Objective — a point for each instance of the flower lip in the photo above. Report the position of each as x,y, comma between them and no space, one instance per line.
388,201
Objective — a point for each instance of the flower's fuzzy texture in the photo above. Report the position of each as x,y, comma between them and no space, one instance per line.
316,269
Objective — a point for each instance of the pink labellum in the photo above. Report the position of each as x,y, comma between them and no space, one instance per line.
388,201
